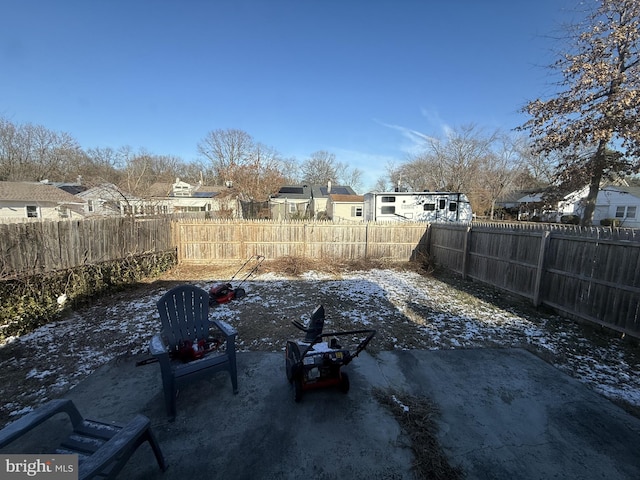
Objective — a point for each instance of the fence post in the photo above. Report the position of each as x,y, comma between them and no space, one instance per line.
366,240
465,252
544,245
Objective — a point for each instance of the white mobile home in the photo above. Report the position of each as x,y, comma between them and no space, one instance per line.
417,207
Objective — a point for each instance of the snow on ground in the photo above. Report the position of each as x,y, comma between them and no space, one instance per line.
407,309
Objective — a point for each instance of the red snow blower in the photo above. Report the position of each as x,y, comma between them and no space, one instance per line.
225,292
317,361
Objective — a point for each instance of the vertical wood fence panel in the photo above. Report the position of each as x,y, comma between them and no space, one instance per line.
591,274
40,247
208,241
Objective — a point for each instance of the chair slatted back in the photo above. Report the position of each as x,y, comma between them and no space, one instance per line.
184,312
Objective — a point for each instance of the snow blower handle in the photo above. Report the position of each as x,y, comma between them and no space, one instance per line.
299,325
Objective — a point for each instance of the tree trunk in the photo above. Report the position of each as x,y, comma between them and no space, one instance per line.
597,166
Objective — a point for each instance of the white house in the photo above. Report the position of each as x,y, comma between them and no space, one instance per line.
183,197
24,201
613,202
107,199
417,207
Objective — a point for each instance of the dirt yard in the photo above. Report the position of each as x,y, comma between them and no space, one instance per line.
409,308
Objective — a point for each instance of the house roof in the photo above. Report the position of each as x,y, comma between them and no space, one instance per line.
160,189
635,191
36,192
521,196
322,191
339,198
106,191
294,192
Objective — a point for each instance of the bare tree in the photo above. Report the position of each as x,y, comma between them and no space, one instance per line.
262,175
498,173
322,166
349,176
12,155
227,150
599,101
468,160
33,152
143,169
319,168
254,170
449,164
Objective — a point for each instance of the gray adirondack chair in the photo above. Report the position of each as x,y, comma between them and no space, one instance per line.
102,448
184,313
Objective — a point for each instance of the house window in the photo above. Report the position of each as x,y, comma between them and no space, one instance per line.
429,207
388,210
181,190
32,211
356,211
90,206
626,212
388,199
64,212
292,208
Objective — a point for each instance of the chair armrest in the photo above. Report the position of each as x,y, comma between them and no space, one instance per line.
15,430
123,441
224,327
157,346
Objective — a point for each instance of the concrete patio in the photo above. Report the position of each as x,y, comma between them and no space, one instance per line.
504,414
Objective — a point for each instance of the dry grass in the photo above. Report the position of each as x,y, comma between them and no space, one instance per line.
295,266
417,418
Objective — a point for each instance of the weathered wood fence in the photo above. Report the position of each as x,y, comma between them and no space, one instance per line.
34,248
591,274
218,241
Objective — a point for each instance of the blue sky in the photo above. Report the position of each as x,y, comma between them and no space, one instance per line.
362,79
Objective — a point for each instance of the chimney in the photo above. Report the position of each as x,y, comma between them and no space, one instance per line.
328,187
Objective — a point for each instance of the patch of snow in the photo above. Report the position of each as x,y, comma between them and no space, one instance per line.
408,311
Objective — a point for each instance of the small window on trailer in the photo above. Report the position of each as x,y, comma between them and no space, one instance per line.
388,199
429,207
453,206
388,210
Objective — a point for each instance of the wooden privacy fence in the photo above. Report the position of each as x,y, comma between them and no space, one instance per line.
220,241
592,274
31,248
